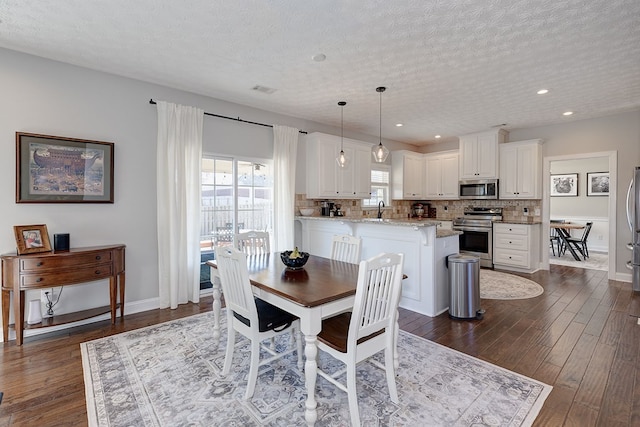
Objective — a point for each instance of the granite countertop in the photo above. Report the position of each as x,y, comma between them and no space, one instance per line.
447,233
382,221
516,221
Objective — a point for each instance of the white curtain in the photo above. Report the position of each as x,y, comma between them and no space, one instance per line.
179,158
285,147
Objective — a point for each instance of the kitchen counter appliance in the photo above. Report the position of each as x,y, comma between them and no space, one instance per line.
477,232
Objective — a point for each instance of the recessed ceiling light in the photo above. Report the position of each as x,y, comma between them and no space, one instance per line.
567,113
399,124
263,89
319,57
437,136
543,91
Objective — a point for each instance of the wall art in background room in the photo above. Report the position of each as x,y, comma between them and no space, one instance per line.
597,183
564,184
32,239
54,169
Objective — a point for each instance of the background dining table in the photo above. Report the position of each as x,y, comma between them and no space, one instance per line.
564,229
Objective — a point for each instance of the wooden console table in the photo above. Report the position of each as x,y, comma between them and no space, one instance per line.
52,269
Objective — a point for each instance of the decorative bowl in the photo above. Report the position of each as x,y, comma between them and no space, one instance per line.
294,263
307,211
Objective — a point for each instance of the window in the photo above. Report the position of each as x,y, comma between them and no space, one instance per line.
380,179
237,195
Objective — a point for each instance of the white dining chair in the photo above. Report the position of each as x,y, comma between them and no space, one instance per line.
346,248
250,316
370,328
253,242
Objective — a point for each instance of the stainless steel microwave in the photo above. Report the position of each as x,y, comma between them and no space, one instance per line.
478,189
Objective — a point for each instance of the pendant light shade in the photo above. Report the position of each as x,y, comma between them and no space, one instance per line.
342,159
380,152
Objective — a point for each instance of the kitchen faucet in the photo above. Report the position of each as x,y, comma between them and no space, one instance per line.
379,209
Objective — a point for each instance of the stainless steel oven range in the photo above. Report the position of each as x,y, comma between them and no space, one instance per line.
477,232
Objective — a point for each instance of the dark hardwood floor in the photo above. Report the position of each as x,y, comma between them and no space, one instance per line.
581,336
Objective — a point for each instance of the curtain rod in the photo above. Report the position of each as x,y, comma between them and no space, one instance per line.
151,101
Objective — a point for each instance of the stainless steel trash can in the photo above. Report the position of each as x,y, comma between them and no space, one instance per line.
464,284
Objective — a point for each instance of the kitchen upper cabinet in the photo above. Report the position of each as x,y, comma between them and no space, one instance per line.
479,154
407,175
327,180
520,170
441,171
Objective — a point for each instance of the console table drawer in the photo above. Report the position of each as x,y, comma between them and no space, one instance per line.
45,263
44,280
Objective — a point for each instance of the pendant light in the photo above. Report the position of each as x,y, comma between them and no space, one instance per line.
342,159
380,152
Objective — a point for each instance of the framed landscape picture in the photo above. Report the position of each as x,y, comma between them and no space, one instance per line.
564,185
597,183
54,169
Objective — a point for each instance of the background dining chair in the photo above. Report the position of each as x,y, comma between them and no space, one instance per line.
252,317
368,329
253,242
346,248
581,242
554,237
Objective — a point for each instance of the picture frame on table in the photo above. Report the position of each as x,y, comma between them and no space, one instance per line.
597,183
564,185
31,239
55,169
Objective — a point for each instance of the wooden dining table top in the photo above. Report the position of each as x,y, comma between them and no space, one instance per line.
320,281
566,225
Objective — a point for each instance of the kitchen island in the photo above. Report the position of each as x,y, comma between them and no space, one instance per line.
424,245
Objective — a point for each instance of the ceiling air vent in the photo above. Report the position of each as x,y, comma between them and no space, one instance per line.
263,89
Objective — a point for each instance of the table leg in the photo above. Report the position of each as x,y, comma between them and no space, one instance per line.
310,374
6,303
122,282
18,314
113,297
217,306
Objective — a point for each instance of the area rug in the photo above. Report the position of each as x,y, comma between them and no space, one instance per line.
497,285
169,375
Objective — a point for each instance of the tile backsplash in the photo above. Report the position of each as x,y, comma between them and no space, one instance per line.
513,210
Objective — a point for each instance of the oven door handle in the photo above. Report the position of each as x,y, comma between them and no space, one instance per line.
465,228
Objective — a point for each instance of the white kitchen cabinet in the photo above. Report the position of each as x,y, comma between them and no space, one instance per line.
516,247
441,170
521,170
479,154
407,175
327,180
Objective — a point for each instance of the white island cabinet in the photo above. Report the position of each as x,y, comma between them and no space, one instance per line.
426,288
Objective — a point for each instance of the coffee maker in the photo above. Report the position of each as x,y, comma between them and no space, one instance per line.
326,208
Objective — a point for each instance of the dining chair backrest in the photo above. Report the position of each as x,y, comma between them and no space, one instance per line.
377,297
234,278
253,242
346,248
587,230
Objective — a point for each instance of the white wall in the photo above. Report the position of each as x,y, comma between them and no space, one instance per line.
52,98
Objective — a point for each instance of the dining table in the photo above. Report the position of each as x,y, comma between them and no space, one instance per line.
322,288
564,232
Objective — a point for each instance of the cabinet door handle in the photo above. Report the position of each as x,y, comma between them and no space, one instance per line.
98,257
97,271
39,279
40,264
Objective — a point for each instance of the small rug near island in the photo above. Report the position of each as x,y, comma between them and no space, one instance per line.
169,375
497,285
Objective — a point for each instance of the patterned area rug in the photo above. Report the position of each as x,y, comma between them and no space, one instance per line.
169,375
497,285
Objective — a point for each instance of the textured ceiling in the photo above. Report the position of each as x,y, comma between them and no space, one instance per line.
450,67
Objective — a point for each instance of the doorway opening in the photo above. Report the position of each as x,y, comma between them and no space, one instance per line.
576,200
